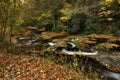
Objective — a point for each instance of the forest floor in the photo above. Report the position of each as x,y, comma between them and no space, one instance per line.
23,67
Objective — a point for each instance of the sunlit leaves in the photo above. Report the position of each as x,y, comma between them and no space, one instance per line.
64,19
66,12
110,10
108,0
66,5
43,16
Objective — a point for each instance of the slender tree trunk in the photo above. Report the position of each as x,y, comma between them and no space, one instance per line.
11,26
12,22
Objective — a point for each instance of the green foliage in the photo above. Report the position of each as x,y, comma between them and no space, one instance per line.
116,28
116,24
18,29
48,26
57,29
116,33
30,22
76,24
48,54
12,48
93,27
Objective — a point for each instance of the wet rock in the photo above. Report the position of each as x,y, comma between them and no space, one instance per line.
52,35
103,42
34,30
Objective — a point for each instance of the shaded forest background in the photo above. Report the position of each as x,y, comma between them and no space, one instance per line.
70,16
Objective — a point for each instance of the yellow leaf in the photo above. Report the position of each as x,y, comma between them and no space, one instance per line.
43,76
103,8
64,18
67,5
109,12
108,0
110,19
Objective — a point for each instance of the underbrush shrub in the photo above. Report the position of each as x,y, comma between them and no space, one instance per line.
12,48
76,24
116,24
48,26
93,27
48,54
57,29
18,30
116,33
30,22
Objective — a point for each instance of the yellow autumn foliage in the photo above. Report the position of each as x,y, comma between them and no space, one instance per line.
44,15
108,0
64,18
67,5
110,19
66,12
26,2
102,8
106,12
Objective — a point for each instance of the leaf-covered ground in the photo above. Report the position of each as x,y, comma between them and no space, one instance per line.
22,67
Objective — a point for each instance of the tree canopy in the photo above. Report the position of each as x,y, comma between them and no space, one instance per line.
70,16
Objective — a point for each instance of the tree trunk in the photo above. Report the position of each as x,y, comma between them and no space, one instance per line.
12,22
